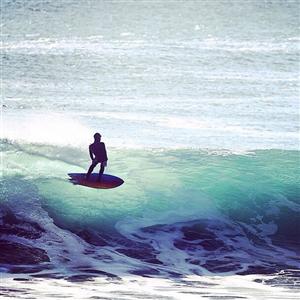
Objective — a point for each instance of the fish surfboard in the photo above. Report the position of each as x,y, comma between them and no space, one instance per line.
107,181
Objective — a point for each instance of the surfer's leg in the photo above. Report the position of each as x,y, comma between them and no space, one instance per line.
101,171
91,168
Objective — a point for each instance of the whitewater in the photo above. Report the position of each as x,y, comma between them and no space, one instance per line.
198,105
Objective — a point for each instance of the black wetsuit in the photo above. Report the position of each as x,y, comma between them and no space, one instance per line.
98,150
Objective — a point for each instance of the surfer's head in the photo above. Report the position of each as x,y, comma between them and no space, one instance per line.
97,137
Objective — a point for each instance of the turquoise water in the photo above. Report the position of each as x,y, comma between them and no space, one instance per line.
228,204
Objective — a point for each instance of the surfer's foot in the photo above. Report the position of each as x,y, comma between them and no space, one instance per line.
87,177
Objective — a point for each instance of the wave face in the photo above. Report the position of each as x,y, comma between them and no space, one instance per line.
178,212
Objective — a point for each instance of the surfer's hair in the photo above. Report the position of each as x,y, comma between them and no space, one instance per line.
97,136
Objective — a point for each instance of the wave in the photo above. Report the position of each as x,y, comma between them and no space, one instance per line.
99,45
152,129
179,212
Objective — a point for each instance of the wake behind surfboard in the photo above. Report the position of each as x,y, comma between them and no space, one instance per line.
107,181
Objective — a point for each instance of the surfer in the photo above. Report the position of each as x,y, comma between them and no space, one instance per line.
98,155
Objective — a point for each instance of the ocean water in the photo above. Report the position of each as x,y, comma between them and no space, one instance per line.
198,104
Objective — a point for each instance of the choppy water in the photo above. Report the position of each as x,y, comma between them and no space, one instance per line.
198,103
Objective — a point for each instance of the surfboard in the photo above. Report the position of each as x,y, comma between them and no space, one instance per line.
107,181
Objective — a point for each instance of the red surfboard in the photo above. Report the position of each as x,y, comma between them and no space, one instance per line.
107,181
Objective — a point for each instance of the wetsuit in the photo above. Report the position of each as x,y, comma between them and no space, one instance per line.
98,150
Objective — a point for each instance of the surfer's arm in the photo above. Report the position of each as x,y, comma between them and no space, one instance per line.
91,153
105,153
